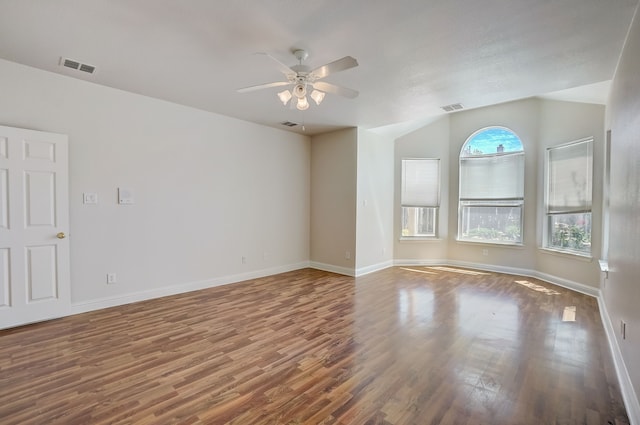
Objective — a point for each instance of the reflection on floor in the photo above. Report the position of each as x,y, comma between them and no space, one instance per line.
539,288
462,271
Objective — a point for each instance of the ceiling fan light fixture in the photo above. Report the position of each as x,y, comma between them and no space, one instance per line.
285,96
299,90
303,81
303,103
317,96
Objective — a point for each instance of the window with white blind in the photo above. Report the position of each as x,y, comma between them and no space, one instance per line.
569,174
420,197
491,192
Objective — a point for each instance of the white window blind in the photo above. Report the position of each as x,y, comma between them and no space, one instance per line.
420,183
569,176
497,177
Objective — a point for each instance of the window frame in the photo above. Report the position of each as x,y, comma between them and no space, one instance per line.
419,236
505,203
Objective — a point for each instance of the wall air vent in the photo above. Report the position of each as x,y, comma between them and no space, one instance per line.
70,63
452,107
289,123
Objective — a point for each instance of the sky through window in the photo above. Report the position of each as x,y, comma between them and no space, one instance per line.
491,141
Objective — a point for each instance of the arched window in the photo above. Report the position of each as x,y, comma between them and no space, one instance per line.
491,195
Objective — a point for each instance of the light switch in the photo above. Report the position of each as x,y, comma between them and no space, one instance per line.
125,196
89,198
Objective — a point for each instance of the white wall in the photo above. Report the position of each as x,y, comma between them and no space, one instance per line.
431,141
351,201
563,122
374,211
333,200
622,290
209,189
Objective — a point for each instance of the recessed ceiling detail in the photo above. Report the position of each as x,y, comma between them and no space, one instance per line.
289,123
70,63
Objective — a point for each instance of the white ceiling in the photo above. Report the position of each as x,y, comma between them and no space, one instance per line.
415,56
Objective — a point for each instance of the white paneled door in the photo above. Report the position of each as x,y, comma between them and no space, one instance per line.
34,222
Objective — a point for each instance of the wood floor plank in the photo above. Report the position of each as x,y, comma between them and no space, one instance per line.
403,346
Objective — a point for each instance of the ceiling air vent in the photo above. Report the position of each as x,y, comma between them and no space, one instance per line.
289,123
70,63
87,68
452,107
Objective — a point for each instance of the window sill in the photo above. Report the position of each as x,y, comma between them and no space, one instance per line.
419,239
490,243
567,254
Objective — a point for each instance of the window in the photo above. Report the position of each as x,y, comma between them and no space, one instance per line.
568,197
420,197
491,187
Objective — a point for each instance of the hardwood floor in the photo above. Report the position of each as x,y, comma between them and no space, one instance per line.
413,345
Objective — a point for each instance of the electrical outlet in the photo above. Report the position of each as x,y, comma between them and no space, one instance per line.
347,255
485,252
111,278
244,260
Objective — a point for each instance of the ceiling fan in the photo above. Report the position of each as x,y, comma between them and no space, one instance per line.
303,78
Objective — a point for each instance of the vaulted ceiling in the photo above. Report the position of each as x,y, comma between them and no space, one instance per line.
414,56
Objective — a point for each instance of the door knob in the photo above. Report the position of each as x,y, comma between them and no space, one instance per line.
61,235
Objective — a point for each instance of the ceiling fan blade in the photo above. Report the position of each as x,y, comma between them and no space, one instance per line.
332,88
282,67
263,86
335,66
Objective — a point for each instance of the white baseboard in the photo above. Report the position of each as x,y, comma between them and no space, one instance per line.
491,268
558,281
412,262
569,284
86,306
333,269
631,402
374,268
